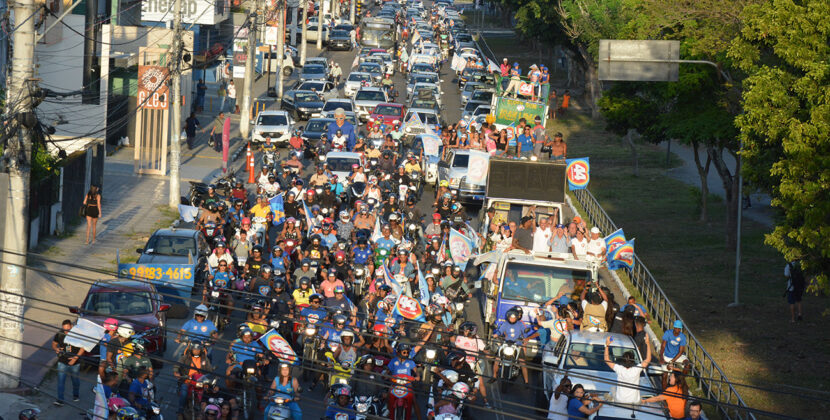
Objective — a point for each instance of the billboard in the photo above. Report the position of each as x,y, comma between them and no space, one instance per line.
509,111
526,180
202,12
152,87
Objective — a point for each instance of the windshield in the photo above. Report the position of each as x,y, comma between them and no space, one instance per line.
460,161
469,87
427,78
272,120
313,68
383,38
426,118
471,106
306,97
482,109
332,105
369,67
387,110
119,303
482,96
537,283
339,33
421,67
359,77
317,126
423,103
341,164
316,86
171,245
592,356
369,95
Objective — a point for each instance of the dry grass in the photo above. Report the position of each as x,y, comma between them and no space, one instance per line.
755,344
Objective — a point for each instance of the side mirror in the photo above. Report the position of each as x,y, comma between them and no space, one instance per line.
164,307
73,309
654,370
139,250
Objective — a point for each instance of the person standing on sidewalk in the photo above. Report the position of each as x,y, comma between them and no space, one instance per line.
216,132
222,93
232,97
68,363
92,204
190,126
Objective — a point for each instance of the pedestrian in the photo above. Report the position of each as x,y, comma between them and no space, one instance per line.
92,211
566,101
558,149
795,288
675,392
232,107
222,93
216,132
190,126
553,103
68,363
201,89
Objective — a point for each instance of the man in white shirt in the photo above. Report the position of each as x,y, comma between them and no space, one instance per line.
541,238
596,246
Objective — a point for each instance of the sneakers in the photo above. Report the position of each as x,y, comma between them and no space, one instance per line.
76,399
57,403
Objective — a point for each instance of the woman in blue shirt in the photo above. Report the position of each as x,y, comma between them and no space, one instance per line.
578,404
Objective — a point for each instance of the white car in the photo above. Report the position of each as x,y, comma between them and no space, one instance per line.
334,103
275,124
340,163
326,90
366,99
355,81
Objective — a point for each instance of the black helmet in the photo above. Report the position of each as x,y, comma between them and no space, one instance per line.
456,355
520,310
266,268
468,329
512,313
279,284
197,346
401,347
257,248
339,320
213,207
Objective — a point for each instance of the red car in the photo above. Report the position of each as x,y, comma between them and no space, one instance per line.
129,301
386,114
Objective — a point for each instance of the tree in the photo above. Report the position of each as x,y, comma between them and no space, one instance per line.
785,126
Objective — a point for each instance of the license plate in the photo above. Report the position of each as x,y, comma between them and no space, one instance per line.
478,197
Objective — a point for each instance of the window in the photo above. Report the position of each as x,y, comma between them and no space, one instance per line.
536,283
388,110
332,105
265,119
306,97
592,356
171,245
342,164
317,126
359,77
119,303
369,95
460,161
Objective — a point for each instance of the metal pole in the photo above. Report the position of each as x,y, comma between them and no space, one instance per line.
19,153
351,11
175,136
303,42
90,76
245,111
280,45
321,12
740,210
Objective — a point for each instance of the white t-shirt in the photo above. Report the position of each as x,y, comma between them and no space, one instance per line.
629,380
541,239
558,409
231,91
580,247
596,246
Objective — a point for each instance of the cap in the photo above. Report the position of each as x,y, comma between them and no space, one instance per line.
436,216
677,324
526,218
594,229
577,220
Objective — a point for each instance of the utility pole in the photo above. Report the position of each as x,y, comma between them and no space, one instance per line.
175,136
19,156
281,6
321,12
351,12
303,42
245,117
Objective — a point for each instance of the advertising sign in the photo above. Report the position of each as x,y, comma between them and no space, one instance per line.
202,12
240,51
579,173
509,111
152,87
169,279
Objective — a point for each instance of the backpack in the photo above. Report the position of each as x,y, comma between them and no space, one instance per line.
796,276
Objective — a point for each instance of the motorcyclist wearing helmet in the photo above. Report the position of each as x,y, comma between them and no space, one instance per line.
293,162
444,206
512,328
347,350
130,365
330,282
434,331
443,188
216,395
220,253
282,303
319,178
455,285
386,242
304,269
279,261
123,333
373,152
342,303
242,349
127,413
261,284
387,160
434,229
367,382
255,319
262,177
271,187
342,270
328,236
342,406
402,264
315,251
236,213
209,213
192,366
364,221
261,208
110,327
468,341
314,313
412,164
402,363
198,327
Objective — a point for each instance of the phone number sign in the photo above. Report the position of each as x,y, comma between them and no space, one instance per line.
158,273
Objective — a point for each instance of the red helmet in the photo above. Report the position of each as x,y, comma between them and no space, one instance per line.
340,255
246,221
309,192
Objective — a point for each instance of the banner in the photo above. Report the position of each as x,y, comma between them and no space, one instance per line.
307,218
278,208
526,89
152,87
100,411
201,12
457,63
510,110
621,256
279,346
409,308
614,240
492,67
431,144
578,172
85,334
188,213
461,247
477,167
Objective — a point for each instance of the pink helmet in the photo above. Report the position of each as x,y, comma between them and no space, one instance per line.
111,324
116,402
246,220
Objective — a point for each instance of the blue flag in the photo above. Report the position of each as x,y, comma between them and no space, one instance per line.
307,218
278,208
578,172
279,346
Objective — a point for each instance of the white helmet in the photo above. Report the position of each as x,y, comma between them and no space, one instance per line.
201,310
345,334
451,375
460,390
126,330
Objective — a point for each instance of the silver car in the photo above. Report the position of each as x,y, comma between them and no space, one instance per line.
468,90
355,81
453,169
366,99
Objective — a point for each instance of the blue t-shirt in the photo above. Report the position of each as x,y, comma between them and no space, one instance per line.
362,256
385,243
202,329
347,129
243,351
573,409
313,316
328,240
140,390
336,412
673,343
526,142
102,346
400,366
221,280
513,332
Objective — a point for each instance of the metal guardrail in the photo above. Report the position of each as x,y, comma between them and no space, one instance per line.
711,378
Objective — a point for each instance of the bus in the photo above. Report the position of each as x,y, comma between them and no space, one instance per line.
378,33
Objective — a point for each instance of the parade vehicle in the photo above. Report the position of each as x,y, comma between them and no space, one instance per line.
454,169
378,33
274,124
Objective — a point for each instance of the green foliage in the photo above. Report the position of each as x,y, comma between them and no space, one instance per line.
785,125
44,164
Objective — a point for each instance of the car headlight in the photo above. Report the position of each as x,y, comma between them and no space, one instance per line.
509,351
156,409
395,121
275,324
304,109
454,182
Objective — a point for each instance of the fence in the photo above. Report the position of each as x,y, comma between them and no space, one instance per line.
711,378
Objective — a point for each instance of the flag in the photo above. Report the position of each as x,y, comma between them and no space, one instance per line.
188,213
100,410
492,66
376,234
278,208
404,56
578,172
621,256
478,167
444,252
614,240
431,143
307,218
409,308
279,346
460,246
416,36
389,279
473,235
356,61
422,281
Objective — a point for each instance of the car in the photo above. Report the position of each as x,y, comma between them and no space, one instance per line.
425,102
418,119
313,72
422,68
311,33
415,78
470,107
468,90
133,302
340,163
345,103
483,95
580,354
326,90
453,169
272,64
339,40
387,60
302,104
386,114
323,61
315,128
427,90
346,26
355,81
174,246
275,124
374,69
475,75
366,99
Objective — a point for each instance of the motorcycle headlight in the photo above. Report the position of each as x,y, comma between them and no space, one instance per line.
459,306
361,407
431,354
358,272
275,324
279,400
250,370
412,226
214,294
309,331
156,409
343,381
509,351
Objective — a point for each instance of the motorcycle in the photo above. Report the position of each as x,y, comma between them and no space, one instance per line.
356,191
212,232
342,372
270,158
366,406
198,190
278,409
259,226
380,256
361,275
218,312
249,377
311,342
508,354
401,397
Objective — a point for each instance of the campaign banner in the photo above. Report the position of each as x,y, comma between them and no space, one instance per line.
477,167
614,240
526,89
621,256
85,334
460,246
578,172
409,308
278,208
152,87
307,218
390,280
432,144
279,346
